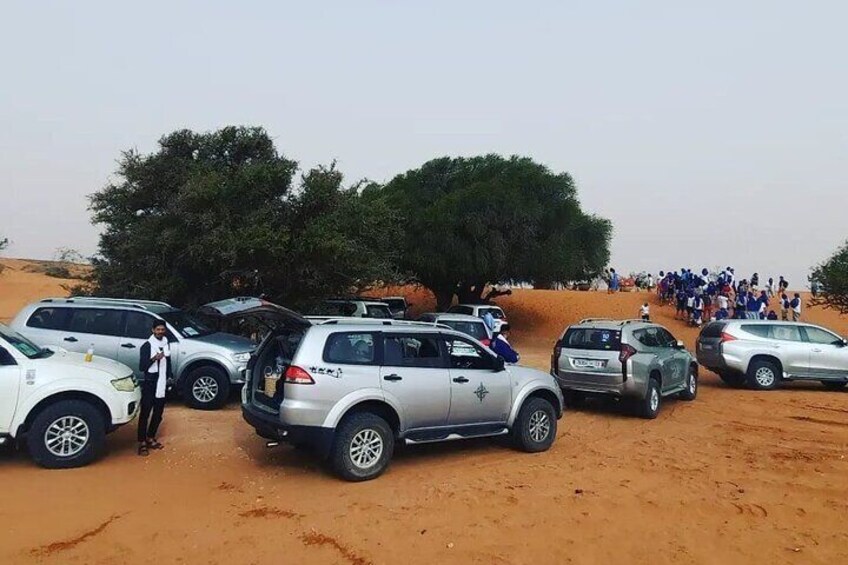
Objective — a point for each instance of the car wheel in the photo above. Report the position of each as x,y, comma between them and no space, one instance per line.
70,433
206,388
834,385
362,447
691,384
535,427
649,406
732,379
763,374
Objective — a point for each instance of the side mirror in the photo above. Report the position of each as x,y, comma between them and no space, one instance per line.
499,364
679,345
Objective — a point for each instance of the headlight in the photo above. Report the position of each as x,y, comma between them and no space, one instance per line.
241,357
127,384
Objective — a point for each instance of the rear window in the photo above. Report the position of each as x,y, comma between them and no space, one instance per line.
594,339
496,313
713,329
335,309
461,310
348,348
380,311
477,330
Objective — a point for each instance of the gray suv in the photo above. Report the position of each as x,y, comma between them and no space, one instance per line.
630,359
350,391
206,363
761,354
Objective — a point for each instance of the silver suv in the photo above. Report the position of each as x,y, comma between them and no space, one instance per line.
351,390
629,359
205,362
761,354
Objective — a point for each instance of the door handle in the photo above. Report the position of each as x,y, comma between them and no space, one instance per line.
393,377
128,345
71,339
817,350
460,380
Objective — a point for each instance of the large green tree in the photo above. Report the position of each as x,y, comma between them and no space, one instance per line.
470,222
211,215
832,279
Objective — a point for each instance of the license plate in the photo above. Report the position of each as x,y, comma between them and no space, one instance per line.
590,363
706,346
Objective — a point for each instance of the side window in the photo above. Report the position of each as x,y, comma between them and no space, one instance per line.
759,330
647,337
786,333
666,339
466,355
49,319
6,358
96,321
820,336
420,350
138,325
350,349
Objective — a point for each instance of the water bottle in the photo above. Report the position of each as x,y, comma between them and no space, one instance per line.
89,355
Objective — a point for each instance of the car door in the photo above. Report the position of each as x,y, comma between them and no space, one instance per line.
414,371
480,394
828,353
788,344
46,326
10,384
679,358
98,328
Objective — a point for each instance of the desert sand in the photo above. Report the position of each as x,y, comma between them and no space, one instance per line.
735,477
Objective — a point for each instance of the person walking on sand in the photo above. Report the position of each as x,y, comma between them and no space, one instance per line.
613,281
795,304
155,364
645,312
784,307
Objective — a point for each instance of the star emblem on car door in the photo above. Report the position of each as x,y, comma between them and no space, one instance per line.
481,392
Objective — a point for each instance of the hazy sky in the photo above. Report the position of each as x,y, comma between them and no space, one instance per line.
709,133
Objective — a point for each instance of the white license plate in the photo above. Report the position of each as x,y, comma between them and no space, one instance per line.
706,346
590,363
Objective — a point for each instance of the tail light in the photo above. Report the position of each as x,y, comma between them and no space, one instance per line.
555,358
297,376
486,342
725,337
627,351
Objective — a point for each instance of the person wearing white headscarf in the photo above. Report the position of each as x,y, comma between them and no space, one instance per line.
155,364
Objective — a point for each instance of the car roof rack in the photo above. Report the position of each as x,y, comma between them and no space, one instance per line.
124,301
332,321
590,320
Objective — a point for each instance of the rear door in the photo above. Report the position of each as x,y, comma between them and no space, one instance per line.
828,353
46,326
708,345
479,394
10,383
137,328
99,328
415,372
788,344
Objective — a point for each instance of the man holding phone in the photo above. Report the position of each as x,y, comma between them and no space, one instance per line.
155,364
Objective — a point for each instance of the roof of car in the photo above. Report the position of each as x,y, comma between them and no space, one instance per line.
451,317
366,301
371,325
478,306
113,303
610,323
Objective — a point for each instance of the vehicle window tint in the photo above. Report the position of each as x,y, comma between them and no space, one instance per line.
648,337
96,321
666,339
396,303
350,348
412,351
6,358
785,333
595,339
49,319
759,330
467,355
477,330
496,313
380,311
336,309
713,329
820,336
138,325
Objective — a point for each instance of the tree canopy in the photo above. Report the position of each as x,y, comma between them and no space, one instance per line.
832,278
212,215
469,222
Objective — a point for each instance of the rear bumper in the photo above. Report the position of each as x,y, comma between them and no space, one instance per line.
583,382
269,427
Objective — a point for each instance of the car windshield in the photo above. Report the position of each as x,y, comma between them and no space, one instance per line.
23,345
476,330
186,324
380,311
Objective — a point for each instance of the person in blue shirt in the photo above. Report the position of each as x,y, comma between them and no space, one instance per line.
752,307
489,320
501,346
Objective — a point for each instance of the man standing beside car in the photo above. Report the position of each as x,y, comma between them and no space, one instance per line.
155,364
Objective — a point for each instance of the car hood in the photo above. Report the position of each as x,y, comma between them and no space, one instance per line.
230,342
521,373
63,360
274,314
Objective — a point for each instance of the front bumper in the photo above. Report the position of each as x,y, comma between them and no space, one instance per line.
269,427
125,407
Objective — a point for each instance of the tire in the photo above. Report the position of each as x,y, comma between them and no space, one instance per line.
834,385
356,429
763,374
649,406
206,388
69,433
691,391
535,427
732,379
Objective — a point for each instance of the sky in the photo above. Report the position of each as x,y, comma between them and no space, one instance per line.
711,134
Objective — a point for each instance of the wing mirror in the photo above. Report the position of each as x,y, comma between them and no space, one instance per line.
499,364
680,345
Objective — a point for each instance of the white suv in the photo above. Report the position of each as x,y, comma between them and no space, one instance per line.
59,404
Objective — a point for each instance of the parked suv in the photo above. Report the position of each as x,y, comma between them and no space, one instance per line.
479,310
350,391
205,363
353,308
469,325
630,359
61,406
761,354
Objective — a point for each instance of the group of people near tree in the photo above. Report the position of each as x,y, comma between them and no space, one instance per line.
705,296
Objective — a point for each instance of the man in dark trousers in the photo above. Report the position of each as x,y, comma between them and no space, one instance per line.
155,364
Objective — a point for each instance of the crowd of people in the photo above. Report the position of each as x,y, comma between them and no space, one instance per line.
701,297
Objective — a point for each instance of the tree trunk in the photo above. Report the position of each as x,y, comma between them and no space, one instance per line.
444,298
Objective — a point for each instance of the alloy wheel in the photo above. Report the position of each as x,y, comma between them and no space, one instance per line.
66,436
204,389
366,447
540,426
